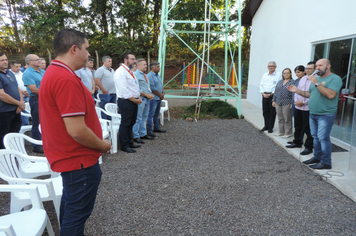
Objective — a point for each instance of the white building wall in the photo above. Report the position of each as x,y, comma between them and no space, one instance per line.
284,30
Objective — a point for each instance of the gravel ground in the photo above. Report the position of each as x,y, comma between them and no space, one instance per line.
214,177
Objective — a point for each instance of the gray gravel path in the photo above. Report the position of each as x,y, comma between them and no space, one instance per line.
214,177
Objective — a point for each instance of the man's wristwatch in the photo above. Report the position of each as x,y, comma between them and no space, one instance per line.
317,84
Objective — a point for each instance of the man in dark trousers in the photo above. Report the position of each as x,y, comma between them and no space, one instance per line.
267,87
71,131
11,101
128,98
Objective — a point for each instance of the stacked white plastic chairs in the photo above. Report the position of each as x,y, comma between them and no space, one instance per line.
29,222
50,189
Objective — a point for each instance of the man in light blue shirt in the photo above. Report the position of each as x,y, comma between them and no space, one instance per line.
155,104
139,129
32,78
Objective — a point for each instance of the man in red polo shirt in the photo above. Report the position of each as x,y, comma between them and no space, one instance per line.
71,132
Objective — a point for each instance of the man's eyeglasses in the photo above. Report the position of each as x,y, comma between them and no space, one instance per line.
36,60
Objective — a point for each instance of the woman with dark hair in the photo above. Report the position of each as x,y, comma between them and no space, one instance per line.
282,101
301,113
299,72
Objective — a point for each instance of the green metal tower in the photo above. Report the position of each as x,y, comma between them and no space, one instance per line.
228,26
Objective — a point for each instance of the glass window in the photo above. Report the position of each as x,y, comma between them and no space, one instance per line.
339,56
319,51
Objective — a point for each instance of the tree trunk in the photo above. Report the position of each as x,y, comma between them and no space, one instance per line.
13,17
60,13
156,22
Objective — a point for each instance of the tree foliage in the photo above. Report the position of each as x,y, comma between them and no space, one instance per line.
112,26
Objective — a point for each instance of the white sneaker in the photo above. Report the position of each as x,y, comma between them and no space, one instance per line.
287,136
278,134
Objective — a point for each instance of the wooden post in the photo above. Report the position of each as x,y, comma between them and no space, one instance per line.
97,59
49,56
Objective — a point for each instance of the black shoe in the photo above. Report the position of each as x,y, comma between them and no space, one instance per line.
293,145
289,142
134,146
151,134
128,150
138,140
306,151
320,166
311,161
147,137
263,129
159,131
270,131
38,149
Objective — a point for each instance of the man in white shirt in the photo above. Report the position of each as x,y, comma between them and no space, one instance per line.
16,69
267,87
128,94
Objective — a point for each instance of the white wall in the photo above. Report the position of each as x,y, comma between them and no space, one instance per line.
283,31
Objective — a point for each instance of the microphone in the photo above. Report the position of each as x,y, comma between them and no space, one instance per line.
316,71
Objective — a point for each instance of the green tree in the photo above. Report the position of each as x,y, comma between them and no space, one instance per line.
42,19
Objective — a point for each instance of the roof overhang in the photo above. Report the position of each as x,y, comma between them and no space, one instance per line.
249,12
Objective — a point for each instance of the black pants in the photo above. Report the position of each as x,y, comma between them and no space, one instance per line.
269,112
10,122
301,126
128,111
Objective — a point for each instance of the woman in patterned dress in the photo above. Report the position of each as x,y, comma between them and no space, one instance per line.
282,101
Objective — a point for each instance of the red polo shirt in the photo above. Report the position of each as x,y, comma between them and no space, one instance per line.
62,94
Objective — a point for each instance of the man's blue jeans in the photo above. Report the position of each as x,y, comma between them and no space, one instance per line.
155,108
79,193
35,133
320,129
106,98
139,129
24,119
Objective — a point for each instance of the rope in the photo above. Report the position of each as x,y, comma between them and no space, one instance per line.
202,64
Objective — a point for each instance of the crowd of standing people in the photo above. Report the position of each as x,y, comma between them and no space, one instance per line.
61,98
312,99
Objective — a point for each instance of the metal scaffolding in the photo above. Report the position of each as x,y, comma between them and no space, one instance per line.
227,26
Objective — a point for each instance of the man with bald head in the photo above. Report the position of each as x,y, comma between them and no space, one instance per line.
32,79
323,98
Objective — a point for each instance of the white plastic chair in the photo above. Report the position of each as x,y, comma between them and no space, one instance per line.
97,100
164,108
49,189
26,128
31,222
30,166
105,126
114,123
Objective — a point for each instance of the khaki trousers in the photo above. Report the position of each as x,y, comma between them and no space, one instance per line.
285,123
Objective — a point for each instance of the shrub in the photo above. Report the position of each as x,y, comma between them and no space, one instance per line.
218,108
